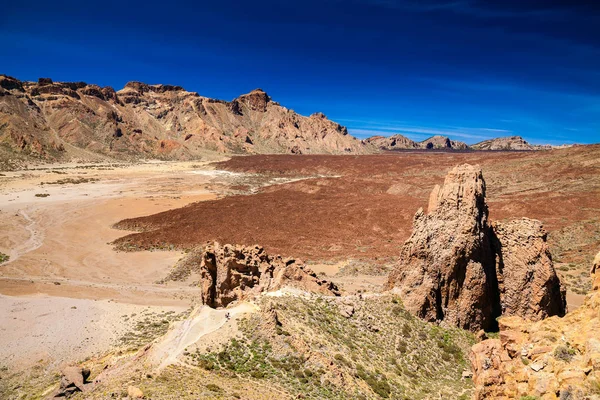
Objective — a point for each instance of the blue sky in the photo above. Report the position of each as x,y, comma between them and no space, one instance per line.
468,69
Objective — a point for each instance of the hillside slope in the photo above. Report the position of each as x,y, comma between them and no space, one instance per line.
399,142
505,143
64,120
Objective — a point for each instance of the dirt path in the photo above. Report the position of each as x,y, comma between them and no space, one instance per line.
36,238
183,334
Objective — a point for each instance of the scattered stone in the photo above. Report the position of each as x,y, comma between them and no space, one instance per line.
73,380
346,310
134,393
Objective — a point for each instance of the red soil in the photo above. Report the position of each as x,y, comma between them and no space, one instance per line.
367,212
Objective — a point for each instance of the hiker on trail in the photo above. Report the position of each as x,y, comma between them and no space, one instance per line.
227,316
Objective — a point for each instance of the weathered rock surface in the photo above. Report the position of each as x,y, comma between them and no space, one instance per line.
596,273
163,121
399,142
529,286
556,358
391,142
446,269
442,142
73,380
228,273
455,268
505,143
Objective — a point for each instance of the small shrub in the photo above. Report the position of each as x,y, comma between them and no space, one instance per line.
564,353
214,388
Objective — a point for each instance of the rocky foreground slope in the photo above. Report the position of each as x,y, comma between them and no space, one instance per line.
61,120
458,268
557,358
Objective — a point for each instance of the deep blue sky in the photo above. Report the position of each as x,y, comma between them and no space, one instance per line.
464,68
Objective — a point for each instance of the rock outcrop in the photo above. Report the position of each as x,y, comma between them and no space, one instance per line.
446,269
73,380
458,268
399,142
557,358
596,273
442,142
505,143
163,121
528,284
394,142
229,273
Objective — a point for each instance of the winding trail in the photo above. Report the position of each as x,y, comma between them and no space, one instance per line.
203,321
35,241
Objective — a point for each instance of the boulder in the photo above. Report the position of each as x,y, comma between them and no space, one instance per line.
73,380
134,393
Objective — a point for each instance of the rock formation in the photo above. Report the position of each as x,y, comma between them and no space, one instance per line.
58,120
596,273
73,380
459,269
399,142
505,143
557,358
228,273
442,142
529,286
446,270
393,142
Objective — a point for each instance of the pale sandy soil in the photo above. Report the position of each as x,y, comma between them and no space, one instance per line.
185,335
51,330
64,290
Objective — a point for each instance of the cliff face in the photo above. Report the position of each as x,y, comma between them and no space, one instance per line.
52,120
459,269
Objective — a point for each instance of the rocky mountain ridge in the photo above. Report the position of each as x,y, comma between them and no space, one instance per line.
438,142
398,142
64,120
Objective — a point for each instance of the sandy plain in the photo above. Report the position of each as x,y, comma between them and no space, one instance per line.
64,290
